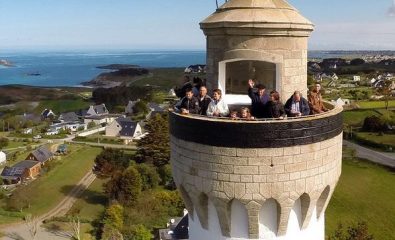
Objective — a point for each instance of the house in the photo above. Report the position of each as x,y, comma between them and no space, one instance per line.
21,171
124,128
341,102
356,78
198,68
346,85
47,113
68,117
102,119
177,229
3,158
67,126
130,106
27,131
41,154
172,93
97,110
154,109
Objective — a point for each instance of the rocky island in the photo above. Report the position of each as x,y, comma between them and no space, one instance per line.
122,74
6,63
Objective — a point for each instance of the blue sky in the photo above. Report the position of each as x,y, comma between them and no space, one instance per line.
173,24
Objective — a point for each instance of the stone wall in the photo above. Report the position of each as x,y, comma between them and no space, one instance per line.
288,53
308,173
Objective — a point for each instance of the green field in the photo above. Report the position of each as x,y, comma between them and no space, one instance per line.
164,78
375,104
356,117
388,139
92,203
60,106
49,189
365,192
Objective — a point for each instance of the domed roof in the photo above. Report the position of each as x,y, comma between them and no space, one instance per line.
276,15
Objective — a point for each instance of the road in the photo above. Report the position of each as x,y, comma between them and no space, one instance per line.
20,231
386,159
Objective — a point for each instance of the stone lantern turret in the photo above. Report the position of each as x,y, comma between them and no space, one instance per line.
265,40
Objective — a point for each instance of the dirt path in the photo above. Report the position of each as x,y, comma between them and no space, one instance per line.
20,231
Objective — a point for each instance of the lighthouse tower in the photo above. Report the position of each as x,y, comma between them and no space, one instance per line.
269,179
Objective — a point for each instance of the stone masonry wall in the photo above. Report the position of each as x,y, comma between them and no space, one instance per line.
252,176
287,51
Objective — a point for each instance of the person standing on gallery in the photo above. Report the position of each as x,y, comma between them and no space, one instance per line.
297,106
259,99
315,100
217,107
204,100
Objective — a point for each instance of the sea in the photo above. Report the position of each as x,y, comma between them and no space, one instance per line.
71,68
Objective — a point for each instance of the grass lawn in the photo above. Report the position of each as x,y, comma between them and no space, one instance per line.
165,78
59,106
49,189
365,192
388,139
375,104
13,144
356,117
92,203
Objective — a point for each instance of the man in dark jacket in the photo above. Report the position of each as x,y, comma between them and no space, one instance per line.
259,99
189,104
297,106
204,100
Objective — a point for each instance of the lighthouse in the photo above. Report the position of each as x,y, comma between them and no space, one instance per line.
264,179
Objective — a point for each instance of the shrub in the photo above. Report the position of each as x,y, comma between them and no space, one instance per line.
372,124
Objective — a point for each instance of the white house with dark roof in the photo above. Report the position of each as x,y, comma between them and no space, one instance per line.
97,110
47,113
69,117
154,109
125,129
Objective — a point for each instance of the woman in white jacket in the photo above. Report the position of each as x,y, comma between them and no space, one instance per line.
217,107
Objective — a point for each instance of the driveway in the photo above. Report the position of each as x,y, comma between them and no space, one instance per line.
386,159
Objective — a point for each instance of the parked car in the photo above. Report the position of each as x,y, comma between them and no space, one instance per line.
37,137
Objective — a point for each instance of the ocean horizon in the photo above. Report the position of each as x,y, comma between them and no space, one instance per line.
72,67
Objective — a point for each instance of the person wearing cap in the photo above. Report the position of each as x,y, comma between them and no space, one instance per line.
259,99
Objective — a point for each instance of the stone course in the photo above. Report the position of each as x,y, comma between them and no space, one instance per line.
253,176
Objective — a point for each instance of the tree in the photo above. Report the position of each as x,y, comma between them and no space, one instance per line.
155,147
137,232
386,90
165,174
140,108
149,177
372,124
355,232
4,142
357,61
125,187
113,222
18,200
109,161
91,125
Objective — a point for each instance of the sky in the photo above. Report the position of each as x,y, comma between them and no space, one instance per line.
174,24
